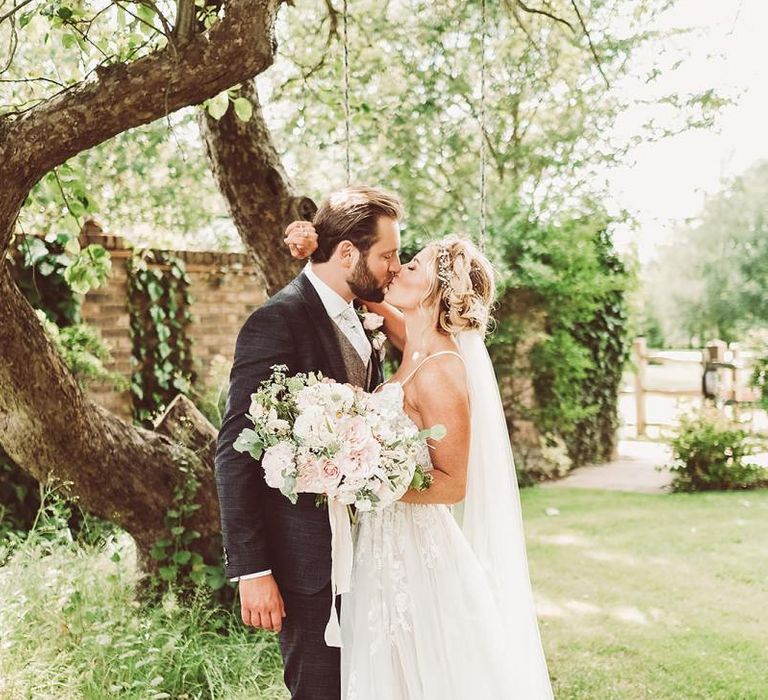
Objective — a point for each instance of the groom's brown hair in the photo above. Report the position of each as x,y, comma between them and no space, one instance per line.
352,215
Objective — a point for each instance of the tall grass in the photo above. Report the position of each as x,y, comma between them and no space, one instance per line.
72,626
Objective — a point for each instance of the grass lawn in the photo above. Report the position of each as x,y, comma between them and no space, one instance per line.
640,596
651,596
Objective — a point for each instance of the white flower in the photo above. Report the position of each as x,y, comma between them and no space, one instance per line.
332,396
372,322
278,459
275,424
378,341
313,428
256,409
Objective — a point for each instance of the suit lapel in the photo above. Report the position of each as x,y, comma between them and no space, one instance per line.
323,328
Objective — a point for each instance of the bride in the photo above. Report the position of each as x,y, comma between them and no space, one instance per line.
440,606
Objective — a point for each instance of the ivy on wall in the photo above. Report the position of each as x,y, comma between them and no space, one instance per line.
607,338
158,303
569,276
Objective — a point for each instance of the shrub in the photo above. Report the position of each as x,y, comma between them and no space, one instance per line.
711,452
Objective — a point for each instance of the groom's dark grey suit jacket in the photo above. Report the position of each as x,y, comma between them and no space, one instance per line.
261,528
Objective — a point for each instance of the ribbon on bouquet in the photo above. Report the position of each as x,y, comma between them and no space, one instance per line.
341,565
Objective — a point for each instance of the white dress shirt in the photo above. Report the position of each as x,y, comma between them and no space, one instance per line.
343,314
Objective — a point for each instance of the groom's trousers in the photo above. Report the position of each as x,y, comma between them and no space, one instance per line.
312,669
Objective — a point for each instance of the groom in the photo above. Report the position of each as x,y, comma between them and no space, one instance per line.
281,553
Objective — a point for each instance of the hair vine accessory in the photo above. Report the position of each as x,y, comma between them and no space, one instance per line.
444,266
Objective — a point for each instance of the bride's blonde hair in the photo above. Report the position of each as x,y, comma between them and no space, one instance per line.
461,285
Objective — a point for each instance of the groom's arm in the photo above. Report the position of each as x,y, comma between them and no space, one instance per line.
264,340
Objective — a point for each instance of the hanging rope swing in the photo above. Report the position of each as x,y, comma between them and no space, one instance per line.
483,154
347,118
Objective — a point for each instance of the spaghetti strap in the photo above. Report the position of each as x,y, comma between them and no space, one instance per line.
427,359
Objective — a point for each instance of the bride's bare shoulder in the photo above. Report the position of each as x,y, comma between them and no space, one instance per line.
441,379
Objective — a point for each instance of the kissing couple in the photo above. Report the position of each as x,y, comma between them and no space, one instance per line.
440,605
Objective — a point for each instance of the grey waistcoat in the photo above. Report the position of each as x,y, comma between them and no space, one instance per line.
358,373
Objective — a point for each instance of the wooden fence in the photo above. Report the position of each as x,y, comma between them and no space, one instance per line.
717,373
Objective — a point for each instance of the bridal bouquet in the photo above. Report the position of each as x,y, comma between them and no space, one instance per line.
315,435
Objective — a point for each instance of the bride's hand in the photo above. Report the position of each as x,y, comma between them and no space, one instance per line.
301,239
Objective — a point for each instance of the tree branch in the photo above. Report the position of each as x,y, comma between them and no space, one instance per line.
185,21
546,13
14,10
591,45
124,96
254,183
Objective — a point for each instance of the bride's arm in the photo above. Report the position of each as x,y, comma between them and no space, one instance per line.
394,322
440,396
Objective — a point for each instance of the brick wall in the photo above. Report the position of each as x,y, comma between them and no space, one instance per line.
225,289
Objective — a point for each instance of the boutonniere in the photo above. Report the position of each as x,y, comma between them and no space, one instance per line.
373,323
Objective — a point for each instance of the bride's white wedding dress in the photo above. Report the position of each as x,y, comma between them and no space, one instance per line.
440,611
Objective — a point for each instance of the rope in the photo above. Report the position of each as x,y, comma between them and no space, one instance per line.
483,155
347,124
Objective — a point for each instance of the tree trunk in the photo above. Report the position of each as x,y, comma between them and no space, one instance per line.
47,425
51,429
186,425
252,179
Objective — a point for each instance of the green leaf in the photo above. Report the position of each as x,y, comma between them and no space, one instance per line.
146,13
72,246
168,573
217,106
243,109
182,557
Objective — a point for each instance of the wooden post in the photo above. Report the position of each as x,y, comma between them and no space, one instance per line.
736,362
641,360
716,350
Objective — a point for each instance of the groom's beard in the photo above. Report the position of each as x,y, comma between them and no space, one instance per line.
364,285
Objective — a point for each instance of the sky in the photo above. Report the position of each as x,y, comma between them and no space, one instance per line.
665,182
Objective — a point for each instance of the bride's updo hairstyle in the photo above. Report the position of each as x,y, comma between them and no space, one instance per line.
461,285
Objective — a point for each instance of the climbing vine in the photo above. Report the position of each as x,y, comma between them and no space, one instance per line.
606,339
562,321
177,565
158,303
53,272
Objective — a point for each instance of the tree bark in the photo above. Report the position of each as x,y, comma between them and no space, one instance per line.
260,197
47,425
183,422
119,472
126,95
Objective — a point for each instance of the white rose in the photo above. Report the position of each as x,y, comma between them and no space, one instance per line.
372,322
312,428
